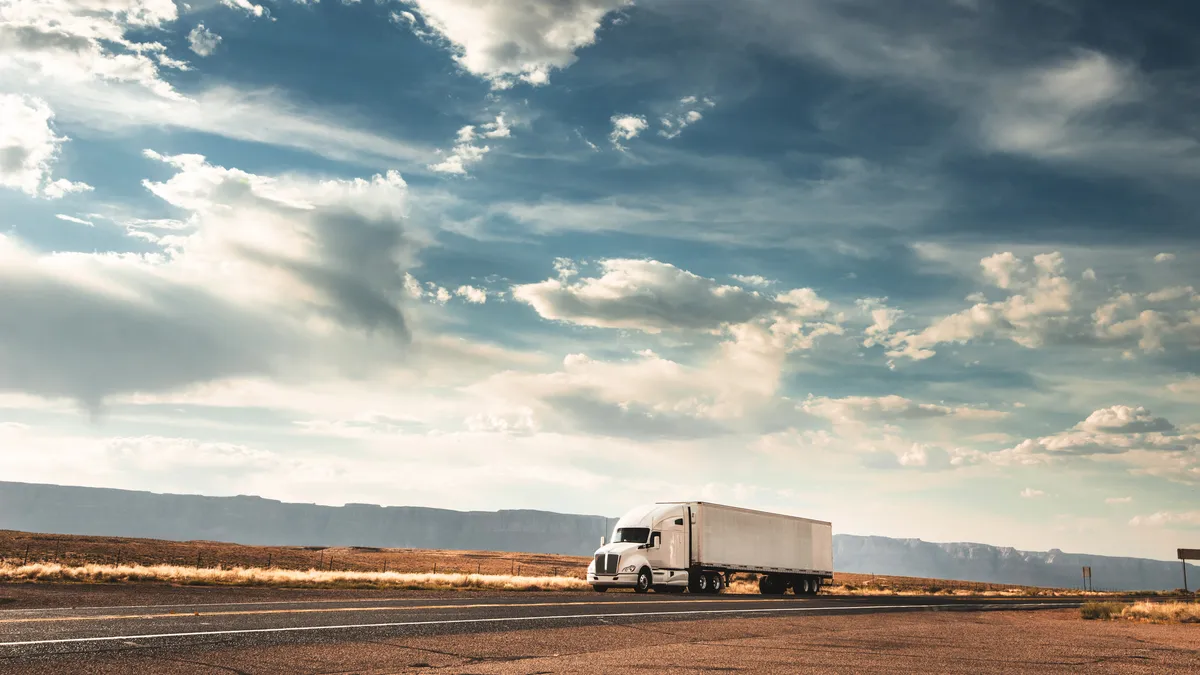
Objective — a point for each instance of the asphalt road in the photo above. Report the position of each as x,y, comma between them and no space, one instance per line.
66,639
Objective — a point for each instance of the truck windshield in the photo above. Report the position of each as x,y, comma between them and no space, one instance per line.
632,535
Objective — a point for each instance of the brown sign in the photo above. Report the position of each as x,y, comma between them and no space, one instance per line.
1087,571
1189,554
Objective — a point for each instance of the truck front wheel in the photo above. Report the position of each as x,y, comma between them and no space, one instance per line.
643,581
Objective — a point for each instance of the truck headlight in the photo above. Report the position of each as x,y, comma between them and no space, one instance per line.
629,568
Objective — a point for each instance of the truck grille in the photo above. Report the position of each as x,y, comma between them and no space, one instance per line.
606,564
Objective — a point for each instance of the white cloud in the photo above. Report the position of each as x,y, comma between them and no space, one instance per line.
1000,268
203,41
76,57
882,320
247,7
1123,419
29,149
893,453
1119,500
1168,519
73,219
507,42
1086,109
466,150
157,454
61,187
752,280
858,409
687,113
1044,111
1164,257
1031,493
653,296
71,42
270,270
1127,436
472,294
1044,308
1039,311
1171,293
734,388
625,128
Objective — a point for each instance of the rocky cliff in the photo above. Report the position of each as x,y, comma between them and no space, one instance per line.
999,564
254,520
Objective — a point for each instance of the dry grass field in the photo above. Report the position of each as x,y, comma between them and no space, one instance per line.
19,548
1151,612
43,557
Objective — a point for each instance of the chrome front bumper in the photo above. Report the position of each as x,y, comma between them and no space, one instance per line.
622,579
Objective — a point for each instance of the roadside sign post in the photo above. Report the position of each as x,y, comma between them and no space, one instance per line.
1087,579
1186,554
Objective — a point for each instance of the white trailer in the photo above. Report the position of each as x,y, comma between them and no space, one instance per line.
698,546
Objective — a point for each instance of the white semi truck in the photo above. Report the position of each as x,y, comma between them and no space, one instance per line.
671,547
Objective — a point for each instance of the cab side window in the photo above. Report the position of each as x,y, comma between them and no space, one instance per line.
655,539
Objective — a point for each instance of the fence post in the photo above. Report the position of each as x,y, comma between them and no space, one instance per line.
26,555
268,560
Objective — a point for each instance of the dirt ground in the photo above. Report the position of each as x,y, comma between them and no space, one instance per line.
941,642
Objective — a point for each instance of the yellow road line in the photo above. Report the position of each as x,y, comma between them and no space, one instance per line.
405,608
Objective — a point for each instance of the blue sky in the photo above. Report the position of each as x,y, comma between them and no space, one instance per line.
925,270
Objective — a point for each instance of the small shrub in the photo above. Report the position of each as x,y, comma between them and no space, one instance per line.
1100,610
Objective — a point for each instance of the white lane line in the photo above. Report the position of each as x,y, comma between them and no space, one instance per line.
209,604
559,617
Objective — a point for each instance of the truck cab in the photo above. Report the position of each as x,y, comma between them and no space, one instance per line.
649,549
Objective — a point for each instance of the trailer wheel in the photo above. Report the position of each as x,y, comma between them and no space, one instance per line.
801,586
770,585
715,583
702,583
816,586
643,581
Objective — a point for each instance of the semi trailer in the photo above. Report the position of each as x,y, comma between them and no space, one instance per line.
672,547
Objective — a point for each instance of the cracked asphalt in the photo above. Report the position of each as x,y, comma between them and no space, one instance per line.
378,632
